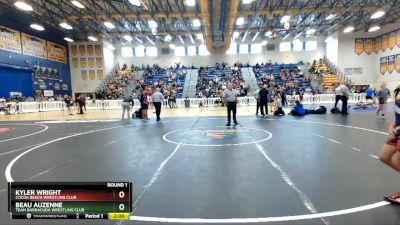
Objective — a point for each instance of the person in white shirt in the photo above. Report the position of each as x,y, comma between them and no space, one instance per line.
338,94
345,96
257,97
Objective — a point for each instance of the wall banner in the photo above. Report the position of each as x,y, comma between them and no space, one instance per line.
98,50
392,40
75,63
92,74
383,65
10,40
99,62
33,46
377,42
90,50
100,74
390,64
359,46
74,50
384,42
369,45
91,62
397,64
83,74
82,50
83,63
56,52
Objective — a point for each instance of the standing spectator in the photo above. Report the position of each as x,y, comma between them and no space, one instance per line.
157,98
382,95
127,102
264,100
345,96
229,96
70,103
338,94
145,104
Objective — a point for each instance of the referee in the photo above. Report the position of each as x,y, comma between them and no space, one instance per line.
157,99
230,97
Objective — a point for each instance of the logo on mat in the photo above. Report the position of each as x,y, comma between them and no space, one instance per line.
214,134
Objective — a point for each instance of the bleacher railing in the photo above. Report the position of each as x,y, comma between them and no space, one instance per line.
31,107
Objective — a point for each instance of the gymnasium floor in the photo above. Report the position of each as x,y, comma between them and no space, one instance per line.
319,169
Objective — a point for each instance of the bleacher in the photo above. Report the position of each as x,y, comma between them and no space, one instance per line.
157,76
297,83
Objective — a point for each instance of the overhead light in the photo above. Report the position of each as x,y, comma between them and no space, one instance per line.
65,25
200,36
154,31
78,4
246,2
171,46
181,39
240,21
23,6
255,36
190,2
109,25
348,29
285,18
138,39
111,47
151,41
37,27
298,35
377,14
310,31
168,38
128,38
268,33
152,24
235,35
244,36
196,23
374,28
328,39
264,42
286,36
68,39
135,2
330,16
286,25
92,38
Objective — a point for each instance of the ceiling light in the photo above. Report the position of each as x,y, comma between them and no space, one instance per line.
268,33
328,39
310,31
128,38
111,47
196,23
78,4
298,35
152,24
377,14
168,38
92,38
23,6
348,29
37,27
199,36
151,41
246,2
244,36
374,28
264,42
65,25
239,21
138,39
285,18
135,2
286,36
172,46
109,25
235,35
255,36
68,39
330,16
181,39
190,2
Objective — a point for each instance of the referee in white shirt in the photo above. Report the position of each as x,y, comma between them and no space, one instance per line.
230,97
157,99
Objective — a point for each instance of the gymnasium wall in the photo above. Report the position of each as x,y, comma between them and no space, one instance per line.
17,69
266,56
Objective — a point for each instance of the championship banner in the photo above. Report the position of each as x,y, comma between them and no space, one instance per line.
100,74
65,87
98,50
57,86
392,40
397,64
99,62
10,40
33,46
83,74
75,63
90,49
384,42
383,65
92,74
83,63
359,45
398,38
56,52
369,45
82,51
91,62
391,61
74,50
377,42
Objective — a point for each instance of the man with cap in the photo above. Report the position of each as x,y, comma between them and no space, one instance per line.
230,97
157,99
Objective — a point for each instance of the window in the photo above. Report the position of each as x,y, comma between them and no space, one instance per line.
243,49
297,45
232,49
151,51
311,45
203,50
139,51
256,48
127,52
192,50
179,51
285,46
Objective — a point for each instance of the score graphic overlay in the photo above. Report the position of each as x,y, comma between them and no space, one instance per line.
70,200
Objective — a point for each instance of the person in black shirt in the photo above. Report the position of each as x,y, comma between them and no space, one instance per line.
264,100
